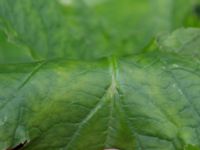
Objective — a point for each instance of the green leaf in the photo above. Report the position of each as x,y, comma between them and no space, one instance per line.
182,41
147,101
87,75
88,29
13,52
191,147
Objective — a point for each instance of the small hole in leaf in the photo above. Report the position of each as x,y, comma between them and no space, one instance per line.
18,147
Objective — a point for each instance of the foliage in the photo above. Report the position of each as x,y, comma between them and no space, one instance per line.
96,74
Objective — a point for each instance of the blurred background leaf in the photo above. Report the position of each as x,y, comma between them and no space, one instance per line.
88,29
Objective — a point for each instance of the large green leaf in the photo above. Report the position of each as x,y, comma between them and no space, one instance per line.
148,101
144,101
48,29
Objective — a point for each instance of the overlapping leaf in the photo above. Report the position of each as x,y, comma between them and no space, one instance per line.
88,29
182,41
